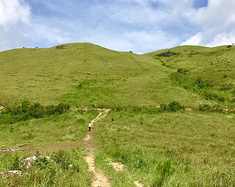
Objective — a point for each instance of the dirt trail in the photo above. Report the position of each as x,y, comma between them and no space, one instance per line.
66,145
100,180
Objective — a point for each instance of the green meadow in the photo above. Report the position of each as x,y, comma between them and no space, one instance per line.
199,146
171,123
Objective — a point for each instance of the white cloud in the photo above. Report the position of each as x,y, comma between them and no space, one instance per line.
142,26
223,38
219,13
15,16
138,25
217,23
13,12
194,40
19,29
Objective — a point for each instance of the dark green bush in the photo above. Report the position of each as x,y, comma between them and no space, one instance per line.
42,162
163,107
200,83
16,162
175,106
60,47
204,107
213,96
27,110
182,70
167,54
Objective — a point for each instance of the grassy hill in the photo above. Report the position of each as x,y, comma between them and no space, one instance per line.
86,74
208,72
170,123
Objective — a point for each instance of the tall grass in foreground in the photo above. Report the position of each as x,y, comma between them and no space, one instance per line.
58,169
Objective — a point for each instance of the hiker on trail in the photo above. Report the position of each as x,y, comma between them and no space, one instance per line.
89,126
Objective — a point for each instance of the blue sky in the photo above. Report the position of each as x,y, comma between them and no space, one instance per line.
138,25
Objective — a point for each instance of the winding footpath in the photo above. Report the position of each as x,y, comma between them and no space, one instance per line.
100,180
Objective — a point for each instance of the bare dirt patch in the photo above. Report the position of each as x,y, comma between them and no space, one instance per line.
116,165
1,108
189,109
138,183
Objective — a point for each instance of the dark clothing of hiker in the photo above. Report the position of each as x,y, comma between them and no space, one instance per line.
89,126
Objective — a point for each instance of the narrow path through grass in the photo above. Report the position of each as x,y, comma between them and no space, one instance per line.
100,179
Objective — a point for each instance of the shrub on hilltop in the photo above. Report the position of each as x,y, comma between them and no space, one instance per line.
167,54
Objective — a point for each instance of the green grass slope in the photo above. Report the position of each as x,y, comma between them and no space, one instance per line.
208,72
168,149
86,74
157,146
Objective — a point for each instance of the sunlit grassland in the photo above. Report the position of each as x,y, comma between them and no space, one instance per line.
209,72
65,128
158,148
200,146
85,74
48,136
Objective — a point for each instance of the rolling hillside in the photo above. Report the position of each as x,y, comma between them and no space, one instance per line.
86,74
166,117
208,72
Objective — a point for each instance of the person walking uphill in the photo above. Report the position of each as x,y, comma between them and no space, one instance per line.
89,127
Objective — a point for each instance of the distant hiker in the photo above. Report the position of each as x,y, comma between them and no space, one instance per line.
89,126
